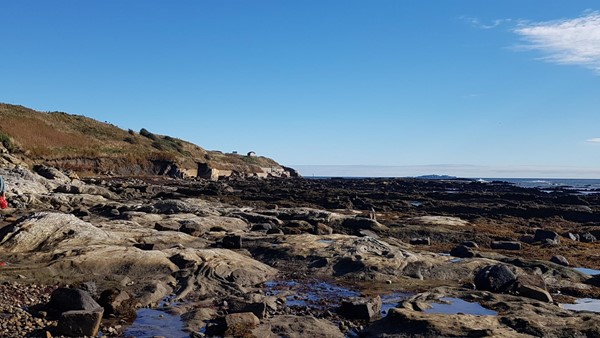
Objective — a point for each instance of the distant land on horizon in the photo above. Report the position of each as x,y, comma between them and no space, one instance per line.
464,171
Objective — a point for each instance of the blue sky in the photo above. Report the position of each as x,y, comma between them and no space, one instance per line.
470,88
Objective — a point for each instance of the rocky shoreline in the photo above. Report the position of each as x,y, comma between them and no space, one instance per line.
293,257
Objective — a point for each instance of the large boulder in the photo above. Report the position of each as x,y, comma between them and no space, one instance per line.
361,308
462,251
51,173
46,231
64,299
219,271
79,323
542,235
495,278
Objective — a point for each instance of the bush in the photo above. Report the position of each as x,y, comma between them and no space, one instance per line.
158,145
131,132
7,142
148,134
130,140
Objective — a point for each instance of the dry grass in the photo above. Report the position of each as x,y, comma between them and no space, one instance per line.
40,138
61,136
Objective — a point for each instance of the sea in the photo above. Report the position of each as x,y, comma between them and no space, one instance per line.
577,185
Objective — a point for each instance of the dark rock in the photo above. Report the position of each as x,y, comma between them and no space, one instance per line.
90,288
299,224
115,301
322,229
261,227
470,244
64,299
505,245
561,260
167,226
496,278
358,223
529,239
182,261
361,308
194,228
50,173
275,231
258,309
172,207
542,235
587,238
595,281
232,242
82,212
347,265
462,252
251,217
78,323
144,246
420,241
319,263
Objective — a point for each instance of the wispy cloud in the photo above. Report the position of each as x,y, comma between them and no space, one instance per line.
594,140
477,23
568,41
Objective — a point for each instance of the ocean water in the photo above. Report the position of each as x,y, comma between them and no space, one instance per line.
580,185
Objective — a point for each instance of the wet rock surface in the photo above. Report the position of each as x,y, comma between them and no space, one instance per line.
293,257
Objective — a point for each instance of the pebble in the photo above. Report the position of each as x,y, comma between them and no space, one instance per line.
15,321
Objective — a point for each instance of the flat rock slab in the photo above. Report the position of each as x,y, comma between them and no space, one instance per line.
80,323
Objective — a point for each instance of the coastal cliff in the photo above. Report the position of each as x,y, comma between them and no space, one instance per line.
89,147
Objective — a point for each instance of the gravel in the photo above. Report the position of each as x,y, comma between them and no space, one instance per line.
19,315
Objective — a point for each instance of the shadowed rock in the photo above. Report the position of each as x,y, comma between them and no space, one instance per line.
361,308
495,278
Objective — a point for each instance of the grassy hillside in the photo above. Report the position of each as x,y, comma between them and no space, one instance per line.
88,146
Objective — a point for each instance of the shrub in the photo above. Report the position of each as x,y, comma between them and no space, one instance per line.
7,142
148,134
158,145
131,132
130,140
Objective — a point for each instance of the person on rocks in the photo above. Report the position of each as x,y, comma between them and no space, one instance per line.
3,203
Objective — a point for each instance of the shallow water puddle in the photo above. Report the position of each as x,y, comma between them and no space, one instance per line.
151,322
584,304
457,305
588,271
311,294
391,301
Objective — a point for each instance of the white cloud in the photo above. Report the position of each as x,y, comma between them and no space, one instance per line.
594,140
475,22
569,41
